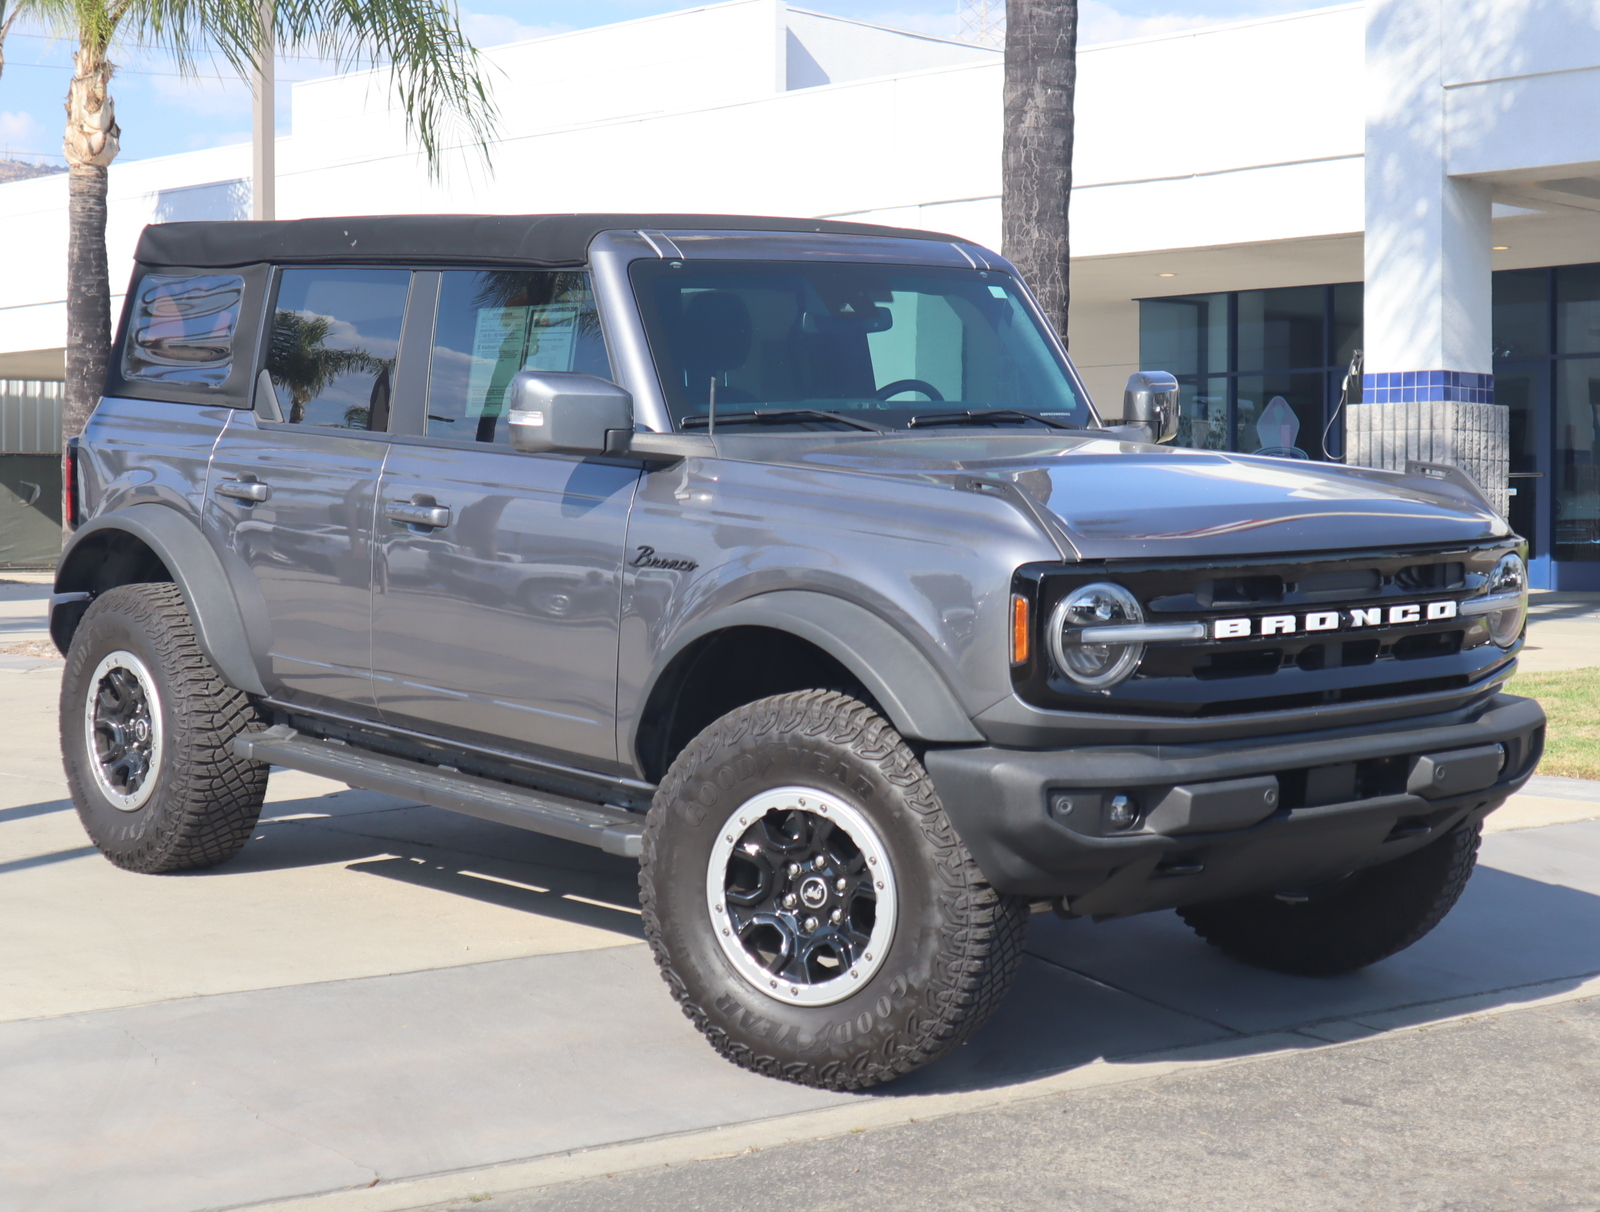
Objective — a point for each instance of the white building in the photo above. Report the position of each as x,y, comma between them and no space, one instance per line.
1245,195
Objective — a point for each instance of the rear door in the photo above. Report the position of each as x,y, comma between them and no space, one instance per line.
499,574
293,484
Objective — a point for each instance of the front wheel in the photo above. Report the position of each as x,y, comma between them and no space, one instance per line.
1366,917
809,903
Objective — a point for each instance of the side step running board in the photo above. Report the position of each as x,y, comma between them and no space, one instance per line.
614,830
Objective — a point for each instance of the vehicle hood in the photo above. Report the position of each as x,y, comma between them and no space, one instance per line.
1127,500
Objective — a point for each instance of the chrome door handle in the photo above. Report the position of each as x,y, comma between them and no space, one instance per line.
433,516
243,490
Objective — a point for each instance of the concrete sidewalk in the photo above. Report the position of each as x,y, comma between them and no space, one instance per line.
1563,632
374,992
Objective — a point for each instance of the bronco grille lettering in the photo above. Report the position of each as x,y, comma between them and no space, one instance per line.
1332,620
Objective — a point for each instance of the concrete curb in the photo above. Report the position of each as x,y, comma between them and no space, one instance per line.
884,1111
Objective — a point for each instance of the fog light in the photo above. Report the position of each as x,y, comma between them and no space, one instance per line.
1123,812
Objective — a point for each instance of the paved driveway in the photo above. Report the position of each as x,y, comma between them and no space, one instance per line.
376,991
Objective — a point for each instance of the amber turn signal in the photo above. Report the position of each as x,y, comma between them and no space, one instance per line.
1019,629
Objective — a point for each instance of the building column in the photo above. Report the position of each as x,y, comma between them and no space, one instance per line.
1428,384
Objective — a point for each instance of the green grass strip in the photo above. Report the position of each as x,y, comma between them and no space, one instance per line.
1571,698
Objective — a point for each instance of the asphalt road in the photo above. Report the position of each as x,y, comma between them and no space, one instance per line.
1494,1113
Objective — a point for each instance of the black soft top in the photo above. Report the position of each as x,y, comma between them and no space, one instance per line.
524,239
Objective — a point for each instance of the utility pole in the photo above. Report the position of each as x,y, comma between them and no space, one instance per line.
263,126
982,22
1036,158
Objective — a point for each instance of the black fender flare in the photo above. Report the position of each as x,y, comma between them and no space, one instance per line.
195,569
916,698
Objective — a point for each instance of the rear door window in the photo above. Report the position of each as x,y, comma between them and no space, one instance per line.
182,329
335,340
495,323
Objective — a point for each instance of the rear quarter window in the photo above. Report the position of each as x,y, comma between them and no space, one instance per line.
182,328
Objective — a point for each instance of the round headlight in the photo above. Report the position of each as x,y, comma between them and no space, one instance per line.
1099,605
1510,576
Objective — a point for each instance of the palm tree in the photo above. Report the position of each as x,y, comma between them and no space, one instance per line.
433,67
1036,156
8,14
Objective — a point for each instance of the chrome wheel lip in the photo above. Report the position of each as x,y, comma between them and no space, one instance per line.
146,683
865,837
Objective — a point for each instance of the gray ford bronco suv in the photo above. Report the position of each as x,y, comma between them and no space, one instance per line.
791,558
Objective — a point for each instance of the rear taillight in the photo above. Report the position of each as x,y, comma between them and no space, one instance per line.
69,485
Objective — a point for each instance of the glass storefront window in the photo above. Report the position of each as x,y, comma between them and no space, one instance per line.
1235,353
1184,336
1521,313
1577,309
1281,415
1346,322
1577,460
1282,329
1203,414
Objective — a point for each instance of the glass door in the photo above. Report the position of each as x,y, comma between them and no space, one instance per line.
1575,535
1524,388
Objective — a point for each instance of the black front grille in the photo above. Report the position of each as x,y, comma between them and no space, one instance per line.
1283,672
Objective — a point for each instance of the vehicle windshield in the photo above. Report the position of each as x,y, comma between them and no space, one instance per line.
846,347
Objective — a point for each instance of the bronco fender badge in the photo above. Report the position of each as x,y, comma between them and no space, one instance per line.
646,557
1332,620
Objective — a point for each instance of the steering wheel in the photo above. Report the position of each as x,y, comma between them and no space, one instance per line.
899,385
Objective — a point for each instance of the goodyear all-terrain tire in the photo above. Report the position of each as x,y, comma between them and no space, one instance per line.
1364,918
809,903
147,726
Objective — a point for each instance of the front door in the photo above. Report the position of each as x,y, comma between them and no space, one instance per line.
498,590
290,497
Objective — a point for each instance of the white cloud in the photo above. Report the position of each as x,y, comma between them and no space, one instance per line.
495,29
222,139
21,131
212,93
1101,22
937,23
1098,20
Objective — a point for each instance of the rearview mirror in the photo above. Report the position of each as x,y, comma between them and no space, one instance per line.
1151,403
560,412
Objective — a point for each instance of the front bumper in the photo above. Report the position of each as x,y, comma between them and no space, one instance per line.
1327,803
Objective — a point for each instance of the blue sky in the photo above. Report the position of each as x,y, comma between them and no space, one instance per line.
161,112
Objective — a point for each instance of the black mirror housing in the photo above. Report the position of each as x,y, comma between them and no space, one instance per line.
562,412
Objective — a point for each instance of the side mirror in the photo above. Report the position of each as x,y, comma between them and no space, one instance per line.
560,412
1151,403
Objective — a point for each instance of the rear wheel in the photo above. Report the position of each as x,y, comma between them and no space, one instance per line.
808,902
1366,917
147,728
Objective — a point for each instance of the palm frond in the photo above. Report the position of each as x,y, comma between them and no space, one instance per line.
436,72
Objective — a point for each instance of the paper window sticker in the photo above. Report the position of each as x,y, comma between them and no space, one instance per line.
499,341
552,338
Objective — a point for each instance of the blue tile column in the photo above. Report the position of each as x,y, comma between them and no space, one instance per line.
1435,416
1427,304
1418,386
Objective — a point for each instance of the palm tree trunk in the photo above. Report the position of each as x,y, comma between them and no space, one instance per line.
88,295
90,145
1036,156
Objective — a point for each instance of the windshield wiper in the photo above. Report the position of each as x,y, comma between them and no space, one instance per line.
777,416
981,416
